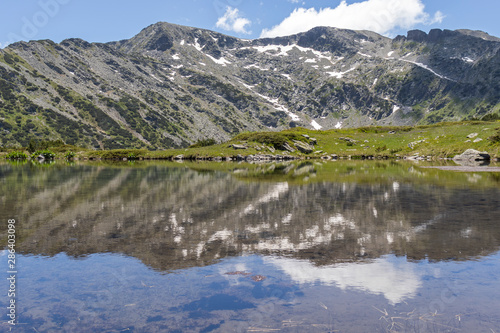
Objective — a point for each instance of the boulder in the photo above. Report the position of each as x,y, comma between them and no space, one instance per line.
286,146
303,147
472,155
235,146
472,135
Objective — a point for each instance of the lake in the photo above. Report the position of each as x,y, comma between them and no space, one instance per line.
309,246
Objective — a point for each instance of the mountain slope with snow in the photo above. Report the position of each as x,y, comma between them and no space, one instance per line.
170,85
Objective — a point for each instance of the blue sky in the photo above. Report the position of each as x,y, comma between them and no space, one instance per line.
110,20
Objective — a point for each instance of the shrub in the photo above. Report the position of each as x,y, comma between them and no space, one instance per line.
69,155
47,154
16,155
495,138
203,143
491,117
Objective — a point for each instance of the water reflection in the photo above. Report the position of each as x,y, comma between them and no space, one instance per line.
175,217
184,241
394,278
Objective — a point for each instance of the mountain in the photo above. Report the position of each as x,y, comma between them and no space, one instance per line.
171,85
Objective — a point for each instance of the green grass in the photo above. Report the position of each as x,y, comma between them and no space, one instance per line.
438,140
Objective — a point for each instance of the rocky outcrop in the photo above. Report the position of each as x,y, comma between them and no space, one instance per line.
303,147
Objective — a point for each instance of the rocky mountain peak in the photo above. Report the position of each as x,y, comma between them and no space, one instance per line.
171,85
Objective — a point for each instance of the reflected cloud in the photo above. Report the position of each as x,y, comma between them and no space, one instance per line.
394,278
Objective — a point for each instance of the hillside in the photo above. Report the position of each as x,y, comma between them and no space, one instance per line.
170,85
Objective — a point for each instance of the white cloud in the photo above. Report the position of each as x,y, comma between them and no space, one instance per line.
232,21
381,16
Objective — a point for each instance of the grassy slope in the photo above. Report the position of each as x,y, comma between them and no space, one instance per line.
439,140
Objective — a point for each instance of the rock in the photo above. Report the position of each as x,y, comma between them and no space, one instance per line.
235,146
271,149
412,145
348,140
472,155
472,135
303,147
286,146
477,140
179,157
305,136
392,132
314,141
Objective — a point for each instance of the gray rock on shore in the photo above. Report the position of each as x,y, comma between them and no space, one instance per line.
472,155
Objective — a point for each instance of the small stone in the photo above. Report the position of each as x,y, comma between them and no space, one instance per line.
472,135
477,140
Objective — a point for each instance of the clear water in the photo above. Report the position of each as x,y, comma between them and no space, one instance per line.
297,247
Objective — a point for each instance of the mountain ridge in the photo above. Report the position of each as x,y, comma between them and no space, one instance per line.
171,85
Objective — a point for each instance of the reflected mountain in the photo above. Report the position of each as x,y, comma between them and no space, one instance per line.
173,216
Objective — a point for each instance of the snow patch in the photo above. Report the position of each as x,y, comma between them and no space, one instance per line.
255,66
339,75
429,69
339,125
222,61
364,55
176,57
316,125
280,107
390,53
197,45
